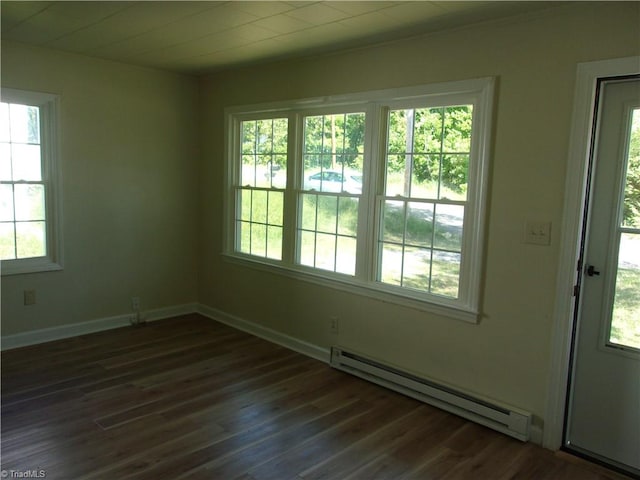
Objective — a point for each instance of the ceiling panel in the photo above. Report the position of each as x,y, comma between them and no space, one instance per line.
200,36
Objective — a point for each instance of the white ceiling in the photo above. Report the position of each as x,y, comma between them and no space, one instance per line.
201,36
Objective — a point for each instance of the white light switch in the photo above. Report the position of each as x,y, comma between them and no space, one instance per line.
538,233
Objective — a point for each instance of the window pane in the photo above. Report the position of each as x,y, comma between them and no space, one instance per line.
325,251
457,129
455,170
4,122
309,206
6,203
243,230
393,221
25,123
333,147
276,208
396,184
7,241
449,220
327,213
264,153
5,162
258,240
429,128
419,224
31,239
445,274
391,268
259,206
625,323
245,204
260,229
346,256
25,160
631,208
424,176
307,248
397,131
274,242
416,268
29,202
348,216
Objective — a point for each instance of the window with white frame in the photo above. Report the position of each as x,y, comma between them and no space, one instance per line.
379,192
28,192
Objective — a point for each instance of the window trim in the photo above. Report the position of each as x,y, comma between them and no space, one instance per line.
51,178
479,92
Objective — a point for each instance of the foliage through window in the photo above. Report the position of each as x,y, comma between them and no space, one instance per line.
27,192
381,192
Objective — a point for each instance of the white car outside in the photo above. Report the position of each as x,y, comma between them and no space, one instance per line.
334,181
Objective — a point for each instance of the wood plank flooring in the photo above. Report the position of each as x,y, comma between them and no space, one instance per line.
189,398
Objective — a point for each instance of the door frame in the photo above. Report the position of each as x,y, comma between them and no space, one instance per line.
576,184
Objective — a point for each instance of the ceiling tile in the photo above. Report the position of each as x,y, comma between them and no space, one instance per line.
14,13
317,13
205,35
282,24
372,23
412,12
264,9
359,8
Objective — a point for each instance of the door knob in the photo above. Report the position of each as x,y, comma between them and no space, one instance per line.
591,271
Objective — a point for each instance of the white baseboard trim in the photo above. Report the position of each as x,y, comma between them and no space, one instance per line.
8,342
536,435
305,348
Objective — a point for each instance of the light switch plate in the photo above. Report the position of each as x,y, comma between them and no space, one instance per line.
537,233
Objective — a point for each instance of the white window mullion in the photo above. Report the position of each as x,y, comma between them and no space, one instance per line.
292,205
368,226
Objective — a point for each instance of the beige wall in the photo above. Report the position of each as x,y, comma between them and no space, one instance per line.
129,157
135,224
506,356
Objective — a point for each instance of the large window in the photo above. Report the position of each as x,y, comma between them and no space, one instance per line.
380,192
28,233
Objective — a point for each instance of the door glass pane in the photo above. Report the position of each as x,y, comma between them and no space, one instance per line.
631,206
625,320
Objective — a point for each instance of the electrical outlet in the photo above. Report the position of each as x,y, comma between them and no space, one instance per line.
334,325
29,297
135,304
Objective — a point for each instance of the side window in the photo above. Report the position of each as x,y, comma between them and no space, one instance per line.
423,207
29,234
262,178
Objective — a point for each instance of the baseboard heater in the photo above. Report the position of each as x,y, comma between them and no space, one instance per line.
506,420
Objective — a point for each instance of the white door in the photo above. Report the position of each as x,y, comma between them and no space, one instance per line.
603,418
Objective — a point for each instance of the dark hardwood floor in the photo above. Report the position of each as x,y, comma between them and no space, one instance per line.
191,398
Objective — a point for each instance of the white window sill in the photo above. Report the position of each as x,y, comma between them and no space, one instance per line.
381,292
29,265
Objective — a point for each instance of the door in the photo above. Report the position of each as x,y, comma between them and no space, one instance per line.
603,418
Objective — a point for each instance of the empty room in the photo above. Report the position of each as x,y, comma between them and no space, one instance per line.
333,239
